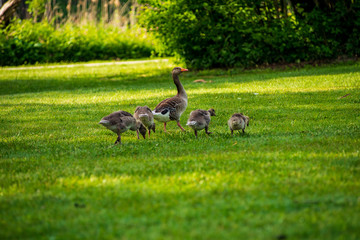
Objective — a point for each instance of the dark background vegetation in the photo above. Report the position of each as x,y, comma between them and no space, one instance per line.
205,34
73,31
229,33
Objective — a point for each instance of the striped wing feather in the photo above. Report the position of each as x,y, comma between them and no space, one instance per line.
169,103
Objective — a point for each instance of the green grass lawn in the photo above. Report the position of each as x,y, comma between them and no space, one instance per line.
295,174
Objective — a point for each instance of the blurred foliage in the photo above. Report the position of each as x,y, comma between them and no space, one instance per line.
206,34
228,33
75,30
25,42
36,8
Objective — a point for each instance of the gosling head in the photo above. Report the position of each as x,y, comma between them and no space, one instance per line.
235,122
143,113
212,112
142,128
144,109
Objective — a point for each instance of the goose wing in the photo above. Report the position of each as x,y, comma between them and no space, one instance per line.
200,116
205,115
202,112
118,117
169,103
124,114
172,107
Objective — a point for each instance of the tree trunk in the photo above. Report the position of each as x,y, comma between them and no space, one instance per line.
7,11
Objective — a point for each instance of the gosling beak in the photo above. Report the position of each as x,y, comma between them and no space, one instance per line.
184,70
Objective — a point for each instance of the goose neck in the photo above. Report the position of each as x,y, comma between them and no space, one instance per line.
179,86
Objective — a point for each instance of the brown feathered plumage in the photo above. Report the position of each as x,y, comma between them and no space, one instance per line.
145,116
200,119
238,121
171,109
121,121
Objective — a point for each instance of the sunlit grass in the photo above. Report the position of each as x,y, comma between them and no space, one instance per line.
295,173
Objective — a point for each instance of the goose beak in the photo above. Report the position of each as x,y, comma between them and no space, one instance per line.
184,70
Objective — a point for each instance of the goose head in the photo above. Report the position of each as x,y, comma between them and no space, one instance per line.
179,70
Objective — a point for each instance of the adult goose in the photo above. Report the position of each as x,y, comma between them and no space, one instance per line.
171,109
238,121
145,116
121,121
200,119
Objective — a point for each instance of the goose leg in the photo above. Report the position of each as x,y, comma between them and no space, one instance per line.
195,133
178,123
164,126
206,130
118,140
243,131
232,132
137,133
149,132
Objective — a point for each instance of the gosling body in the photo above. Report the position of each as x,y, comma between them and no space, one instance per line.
145,116
200,119
121,121
238,121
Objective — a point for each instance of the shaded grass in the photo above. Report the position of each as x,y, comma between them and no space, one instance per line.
294,174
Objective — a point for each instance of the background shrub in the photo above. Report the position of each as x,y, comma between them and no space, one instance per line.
227,33
24,42
206,34
75,30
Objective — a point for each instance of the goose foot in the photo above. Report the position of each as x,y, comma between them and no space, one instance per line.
178,123
118,140
207,132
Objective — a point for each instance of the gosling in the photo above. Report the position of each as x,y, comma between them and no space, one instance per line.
200,119
238,121
145,116
121,121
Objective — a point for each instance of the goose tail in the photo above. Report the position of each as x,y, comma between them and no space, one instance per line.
104,122
191,123
163,116
156,113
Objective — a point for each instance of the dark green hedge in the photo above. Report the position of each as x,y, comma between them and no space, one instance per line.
24,42
228,33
